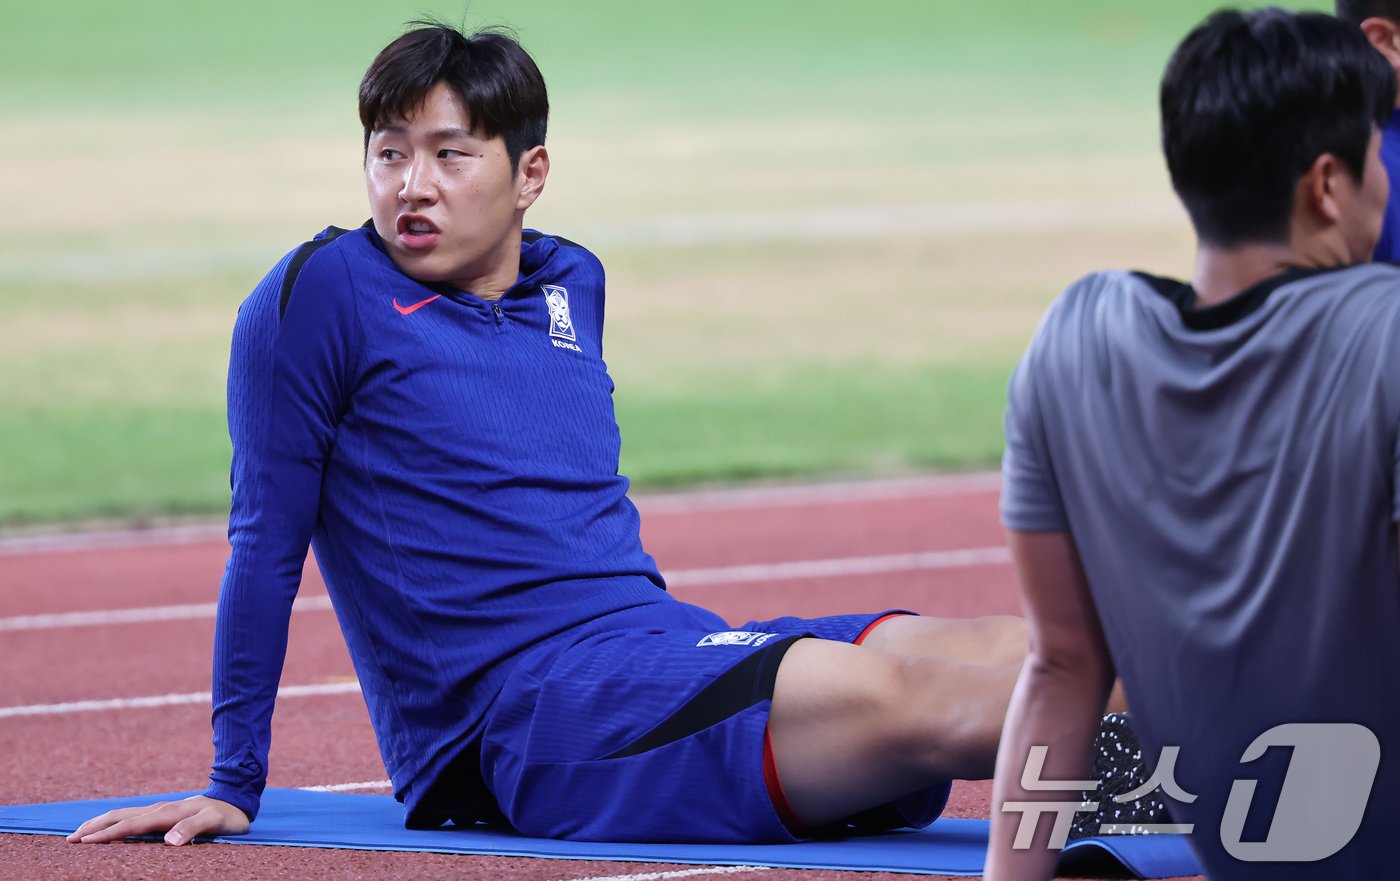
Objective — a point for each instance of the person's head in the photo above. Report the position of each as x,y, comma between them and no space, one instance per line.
454,129
1379,20
1270,126
1354,12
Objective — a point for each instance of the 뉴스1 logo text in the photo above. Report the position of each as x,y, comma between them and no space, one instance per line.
1298,833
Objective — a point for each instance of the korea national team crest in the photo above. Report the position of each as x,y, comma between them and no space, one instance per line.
735,637
561,324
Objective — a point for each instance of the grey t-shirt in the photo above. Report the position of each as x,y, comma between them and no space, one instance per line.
1229,478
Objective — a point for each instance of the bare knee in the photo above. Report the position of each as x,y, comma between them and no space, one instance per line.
945,716
852,727
933,718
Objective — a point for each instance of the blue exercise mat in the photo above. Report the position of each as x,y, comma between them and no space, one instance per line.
298,818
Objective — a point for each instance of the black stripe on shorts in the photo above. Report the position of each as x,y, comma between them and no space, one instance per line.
747,683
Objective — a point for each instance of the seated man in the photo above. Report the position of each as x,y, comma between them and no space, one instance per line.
424,400
1200,480
1379,20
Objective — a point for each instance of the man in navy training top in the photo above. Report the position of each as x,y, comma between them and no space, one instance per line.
1379,20
1202,480
424,400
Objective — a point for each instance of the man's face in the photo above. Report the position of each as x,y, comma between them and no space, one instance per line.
445,201
1362,219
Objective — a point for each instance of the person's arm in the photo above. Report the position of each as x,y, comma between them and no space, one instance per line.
287,385
1058,700
1065,681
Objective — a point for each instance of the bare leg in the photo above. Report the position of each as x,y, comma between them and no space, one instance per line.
853,727
920,701
995,639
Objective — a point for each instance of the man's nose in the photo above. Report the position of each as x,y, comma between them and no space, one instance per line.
419,183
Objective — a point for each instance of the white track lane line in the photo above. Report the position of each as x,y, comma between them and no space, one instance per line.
350,787
679,873
954,559
721,499
21,545
801,495
143,615
166,700
961,558
755,573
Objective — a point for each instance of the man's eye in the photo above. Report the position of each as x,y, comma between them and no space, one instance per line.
388,155
450,154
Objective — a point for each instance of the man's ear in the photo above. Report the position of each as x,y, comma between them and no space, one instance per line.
1384,34
531,174
1318,188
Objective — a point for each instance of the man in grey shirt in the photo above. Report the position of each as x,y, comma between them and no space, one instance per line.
1200,480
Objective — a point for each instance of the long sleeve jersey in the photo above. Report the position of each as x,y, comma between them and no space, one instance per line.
454,464
1388,245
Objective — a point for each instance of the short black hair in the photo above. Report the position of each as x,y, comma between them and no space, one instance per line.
1249,101
1356,11
496,79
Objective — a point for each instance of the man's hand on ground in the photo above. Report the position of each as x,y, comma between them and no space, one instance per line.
181,821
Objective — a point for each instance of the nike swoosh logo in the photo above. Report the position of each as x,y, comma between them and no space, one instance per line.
409,310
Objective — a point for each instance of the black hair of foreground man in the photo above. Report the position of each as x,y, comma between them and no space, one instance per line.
1238,136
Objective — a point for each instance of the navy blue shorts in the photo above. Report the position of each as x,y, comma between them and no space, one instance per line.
657,735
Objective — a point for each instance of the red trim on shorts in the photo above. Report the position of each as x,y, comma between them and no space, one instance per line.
775,789
876,623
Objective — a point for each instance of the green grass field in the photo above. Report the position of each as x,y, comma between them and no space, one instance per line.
829,228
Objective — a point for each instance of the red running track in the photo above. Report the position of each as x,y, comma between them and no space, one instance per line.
932,544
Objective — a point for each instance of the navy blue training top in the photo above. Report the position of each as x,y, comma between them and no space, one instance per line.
1388,246
454,464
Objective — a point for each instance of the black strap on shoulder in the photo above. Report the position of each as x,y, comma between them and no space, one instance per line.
299,259
531,236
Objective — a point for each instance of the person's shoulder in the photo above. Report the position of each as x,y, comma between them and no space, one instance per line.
1363,285
570,254
1090,308
1369,293
313,263
531,236
1352,308
1086,295
327,262
325,258
1116,283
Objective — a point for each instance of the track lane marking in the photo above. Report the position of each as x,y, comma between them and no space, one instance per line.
678,873
140,615
26,543
835,493
166,700
350,787
796,570
113,539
